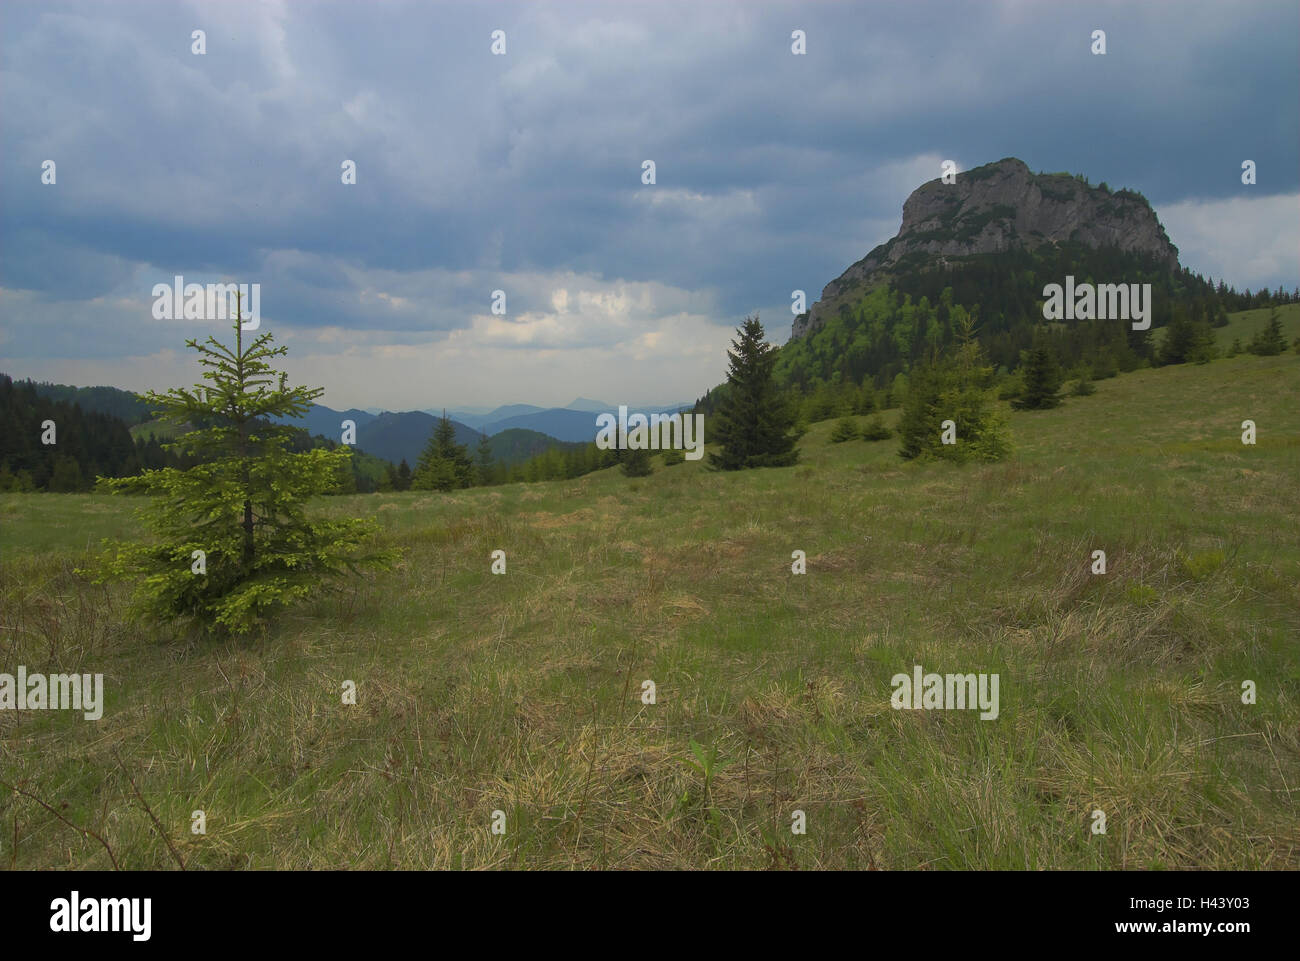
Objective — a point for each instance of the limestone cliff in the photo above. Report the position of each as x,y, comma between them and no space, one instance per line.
995,208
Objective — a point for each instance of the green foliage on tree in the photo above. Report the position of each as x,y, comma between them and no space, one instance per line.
242,503
952,387
1084,386
345,478
1042,379
485,465
1012,386
1104,366
674,456
66,478
839,398
444,465
636,463
88,442
15,483
846,428
1188,340
1269,341
754,424
876,430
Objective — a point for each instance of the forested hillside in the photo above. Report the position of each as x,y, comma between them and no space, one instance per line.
86,443
858,358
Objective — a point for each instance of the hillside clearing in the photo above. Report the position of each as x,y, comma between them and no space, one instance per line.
522,692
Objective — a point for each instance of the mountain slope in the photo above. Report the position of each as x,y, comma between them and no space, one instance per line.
998,208
568,424
587,404
986,569
477,420
125,405
328,422
558,422
403,436
514,445
979,254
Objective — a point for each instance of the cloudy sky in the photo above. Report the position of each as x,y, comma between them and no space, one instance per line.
522,172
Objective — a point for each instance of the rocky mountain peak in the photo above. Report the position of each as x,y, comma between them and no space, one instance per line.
999,207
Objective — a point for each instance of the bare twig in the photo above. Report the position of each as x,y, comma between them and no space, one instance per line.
149,811
84,832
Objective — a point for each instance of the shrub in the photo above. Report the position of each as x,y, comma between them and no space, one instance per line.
636,463
1269,341
1012,387
876,430
1202,565
845,429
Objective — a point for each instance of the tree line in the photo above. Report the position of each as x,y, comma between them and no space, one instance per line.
86,444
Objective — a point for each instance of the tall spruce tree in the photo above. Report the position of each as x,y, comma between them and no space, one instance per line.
1187,339
485,465
1043,379
232,538
444,465
754,423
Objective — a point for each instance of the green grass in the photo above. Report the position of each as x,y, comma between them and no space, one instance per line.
521,692
1245,324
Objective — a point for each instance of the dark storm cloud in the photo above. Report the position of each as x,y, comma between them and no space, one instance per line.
774,171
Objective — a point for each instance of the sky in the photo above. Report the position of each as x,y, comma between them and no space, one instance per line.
522,172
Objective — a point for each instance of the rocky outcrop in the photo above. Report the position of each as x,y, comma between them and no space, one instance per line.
995,208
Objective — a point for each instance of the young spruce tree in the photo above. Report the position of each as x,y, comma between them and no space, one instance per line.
1187,340
636,463
1269,341
753,423
952,388
232,538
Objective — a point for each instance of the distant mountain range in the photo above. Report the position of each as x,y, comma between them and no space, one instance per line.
529,429
574,423
516,432
403,436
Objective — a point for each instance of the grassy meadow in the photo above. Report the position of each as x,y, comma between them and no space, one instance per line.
521,692
1245,324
